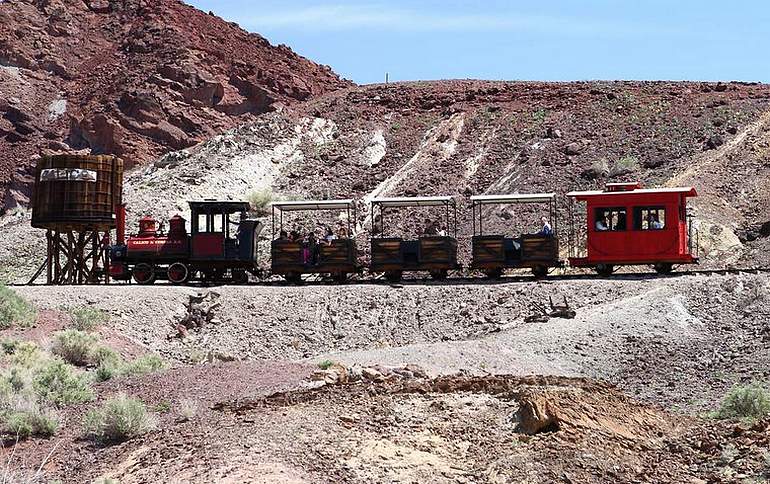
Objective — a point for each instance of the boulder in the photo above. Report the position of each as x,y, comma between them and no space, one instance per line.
573,149
535,415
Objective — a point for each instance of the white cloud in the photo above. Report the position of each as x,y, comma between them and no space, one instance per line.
373,16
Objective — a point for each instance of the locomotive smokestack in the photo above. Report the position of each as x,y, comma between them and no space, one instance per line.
120,224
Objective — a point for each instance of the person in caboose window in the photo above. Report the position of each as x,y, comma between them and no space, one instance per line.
655,224
547,230
602,224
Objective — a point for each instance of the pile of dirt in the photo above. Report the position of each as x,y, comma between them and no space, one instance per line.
133,78
450,429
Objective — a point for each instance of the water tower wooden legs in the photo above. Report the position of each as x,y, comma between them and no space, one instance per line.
76,257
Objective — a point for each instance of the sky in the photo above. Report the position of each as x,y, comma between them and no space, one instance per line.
550,40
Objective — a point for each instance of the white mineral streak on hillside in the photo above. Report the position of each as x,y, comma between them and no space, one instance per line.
227,167
716,218
376,149
439,143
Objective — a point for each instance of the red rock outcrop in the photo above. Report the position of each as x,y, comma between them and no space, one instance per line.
132,77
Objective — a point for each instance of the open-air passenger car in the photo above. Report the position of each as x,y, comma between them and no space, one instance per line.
626,224
493,253
293,258
436,254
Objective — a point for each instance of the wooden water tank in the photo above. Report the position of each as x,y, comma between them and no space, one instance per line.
77,192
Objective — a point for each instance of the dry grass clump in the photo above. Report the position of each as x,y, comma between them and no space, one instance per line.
747,402
32,385
120,418
88,318
14,309
76,346
260,200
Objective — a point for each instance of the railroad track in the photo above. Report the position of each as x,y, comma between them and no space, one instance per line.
461,279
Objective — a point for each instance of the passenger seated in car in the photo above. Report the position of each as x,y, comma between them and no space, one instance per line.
602,224
342,232
431,228
283,235
437,230
547,230
329,236
653,222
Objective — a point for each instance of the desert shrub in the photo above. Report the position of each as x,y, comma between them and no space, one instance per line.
598,169
143,365
26,423
59,383
745,402
14,309
624,166
114,367
87,318
325,364
119,419
260,200
188,409
75,346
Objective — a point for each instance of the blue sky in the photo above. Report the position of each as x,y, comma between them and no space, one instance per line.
530,40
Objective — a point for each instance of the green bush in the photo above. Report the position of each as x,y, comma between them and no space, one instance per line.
119,419
260,200
14,309
143,365
88,318
112,368
26,423
75,346
59,383
745,402
325,364
624,166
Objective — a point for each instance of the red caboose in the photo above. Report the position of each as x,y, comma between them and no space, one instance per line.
626,224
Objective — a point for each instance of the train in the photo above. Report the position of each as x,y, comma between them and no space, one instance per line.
623,224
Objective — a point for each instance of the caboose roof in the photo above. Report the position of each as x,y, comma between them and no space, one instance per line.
688,191
299,205
513,198
413,201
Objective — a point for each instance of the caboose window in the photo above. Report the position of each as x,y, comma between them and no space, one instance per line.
649,218
610,219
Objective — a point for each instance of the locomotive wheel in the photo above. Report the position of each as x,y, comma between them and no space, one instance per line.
663,267
240,276
144,273
605,269
293,278
340,277
393,276
540,271
493,273
178,273
439,275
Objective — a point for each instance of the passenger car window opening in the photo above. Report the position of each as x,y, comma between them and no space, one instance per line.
649,218
610,219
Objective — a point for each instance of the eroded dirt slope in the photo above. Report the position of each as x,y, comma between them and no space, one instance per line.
134,78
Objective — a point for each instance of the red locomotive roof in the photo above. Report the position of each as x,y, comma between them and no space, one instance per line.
687,191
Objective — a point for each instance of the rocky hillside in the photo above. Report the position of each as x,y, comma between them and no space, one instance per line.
474,137
133,77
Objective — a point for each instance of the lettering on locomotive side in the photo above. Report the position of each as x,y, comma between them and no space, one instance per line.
156,243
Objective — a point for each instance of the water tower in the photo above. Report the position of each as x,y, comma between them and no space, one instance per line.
76,198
